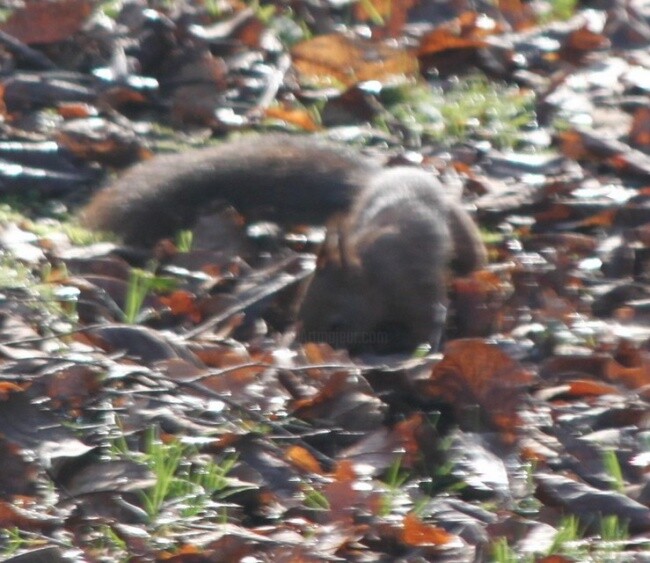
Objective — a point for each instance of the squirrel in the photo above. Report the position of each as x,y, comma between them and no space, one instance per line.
380,278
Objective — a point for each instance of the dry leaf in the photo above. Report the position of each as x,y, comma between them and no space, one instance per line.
298,117
301,458
415,532
475,373
347,60
47,22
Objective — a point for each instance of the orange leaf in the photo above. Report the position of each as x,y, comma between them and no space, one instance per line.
7,387
415,532
407,431
76,110
344,471
303,460
183,303
584,387
298,117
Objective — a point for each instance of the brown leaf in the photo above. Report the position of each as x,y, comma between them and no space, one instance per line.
633,373
567,366
345,498
220,355
455,44
408,431
73,387
447,39
355,105
344,471
7,387
47,22
99,140
183,302
381,448
349,60
580,43
639,135
475,373
76,110
478,300
519,15
416,532
345,401
632,368
584,388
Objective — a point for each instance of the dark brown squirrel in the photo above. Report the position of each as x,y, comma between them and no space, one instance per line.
381,280
278,177
384,263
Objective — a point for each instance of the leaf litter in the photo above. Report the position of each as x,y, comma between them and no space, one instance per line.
203,433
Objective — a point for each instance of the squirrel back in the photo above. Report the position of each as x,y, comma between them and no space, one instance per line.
278,177
380,282
284,178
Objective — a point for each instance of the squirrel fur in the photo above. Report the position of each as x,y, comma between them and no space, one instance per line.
282,178
380,281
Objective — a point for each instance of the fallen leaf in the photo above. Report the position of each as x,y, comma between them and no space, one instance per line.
47,22
473,373
348,60
303,460
416,532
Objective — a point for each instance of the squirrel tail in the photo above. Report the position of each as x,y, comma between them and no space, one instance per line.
276,177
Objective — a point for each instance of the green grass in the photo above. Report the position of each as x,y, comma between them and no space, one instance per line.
394,480
568,532
315,500
559,10
140,284
184,240
184,479
503,553
13,540
570,541
472,108
613,468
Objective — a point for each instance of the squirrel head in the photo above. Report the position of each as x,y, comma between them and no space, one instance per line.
338,306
